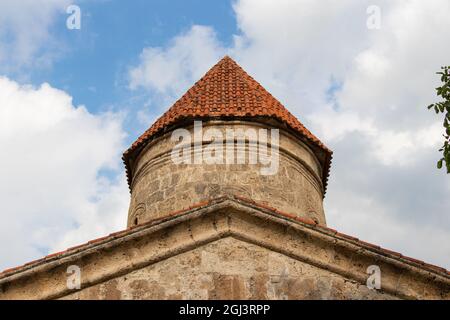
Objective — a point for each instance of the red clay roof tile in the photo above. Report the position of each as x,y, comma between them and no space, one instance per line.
393,253
414,260
343,235
226,91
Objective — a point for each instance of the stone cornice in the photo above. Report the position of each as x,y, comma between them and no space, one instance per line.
143,245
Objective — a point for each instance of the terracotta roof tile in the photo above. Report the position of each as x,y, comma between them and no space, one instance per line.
226,91
343,235
437,268
414,260
367,244
393,253
52,255
76,247
98,239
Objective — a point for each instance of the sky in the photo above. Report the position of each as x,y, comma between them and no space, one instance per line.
359,74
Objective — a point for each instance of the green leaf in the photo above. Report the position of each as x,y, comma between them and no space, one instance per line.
443,106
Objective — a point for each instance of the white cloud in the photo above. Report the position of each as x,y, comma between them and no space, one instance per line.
363,91
335,125
58,167
400,148
385,140
372,63
169,71
361,215
26,38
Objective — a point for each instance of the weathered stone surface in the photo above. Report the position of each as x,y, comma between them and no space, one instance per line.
227,249
229,269
161,186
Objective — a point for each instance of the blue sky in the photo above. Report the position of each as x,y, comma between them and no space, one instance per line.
95,60
71,101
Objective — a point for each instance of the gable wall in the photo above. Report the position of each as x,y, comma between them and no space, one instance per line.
229,269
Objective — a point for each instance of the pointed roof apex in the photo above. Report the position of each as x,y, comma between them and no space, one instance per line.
227,91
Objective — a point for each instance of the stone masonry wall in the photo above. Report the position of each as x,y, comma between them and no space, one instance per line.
161,186
229,269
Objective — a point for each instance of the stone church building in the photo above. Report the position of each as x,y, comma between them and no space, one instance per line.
211,228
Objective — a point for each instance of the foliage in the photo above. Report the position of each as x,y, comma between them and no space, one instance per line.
444,107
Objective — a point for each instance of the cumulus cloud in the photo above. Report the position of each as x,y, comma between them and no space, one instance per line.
363,91
26,38
169,71
58,167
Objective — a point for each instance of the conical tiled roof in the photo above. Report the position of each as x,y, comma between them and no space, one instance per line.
226,91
